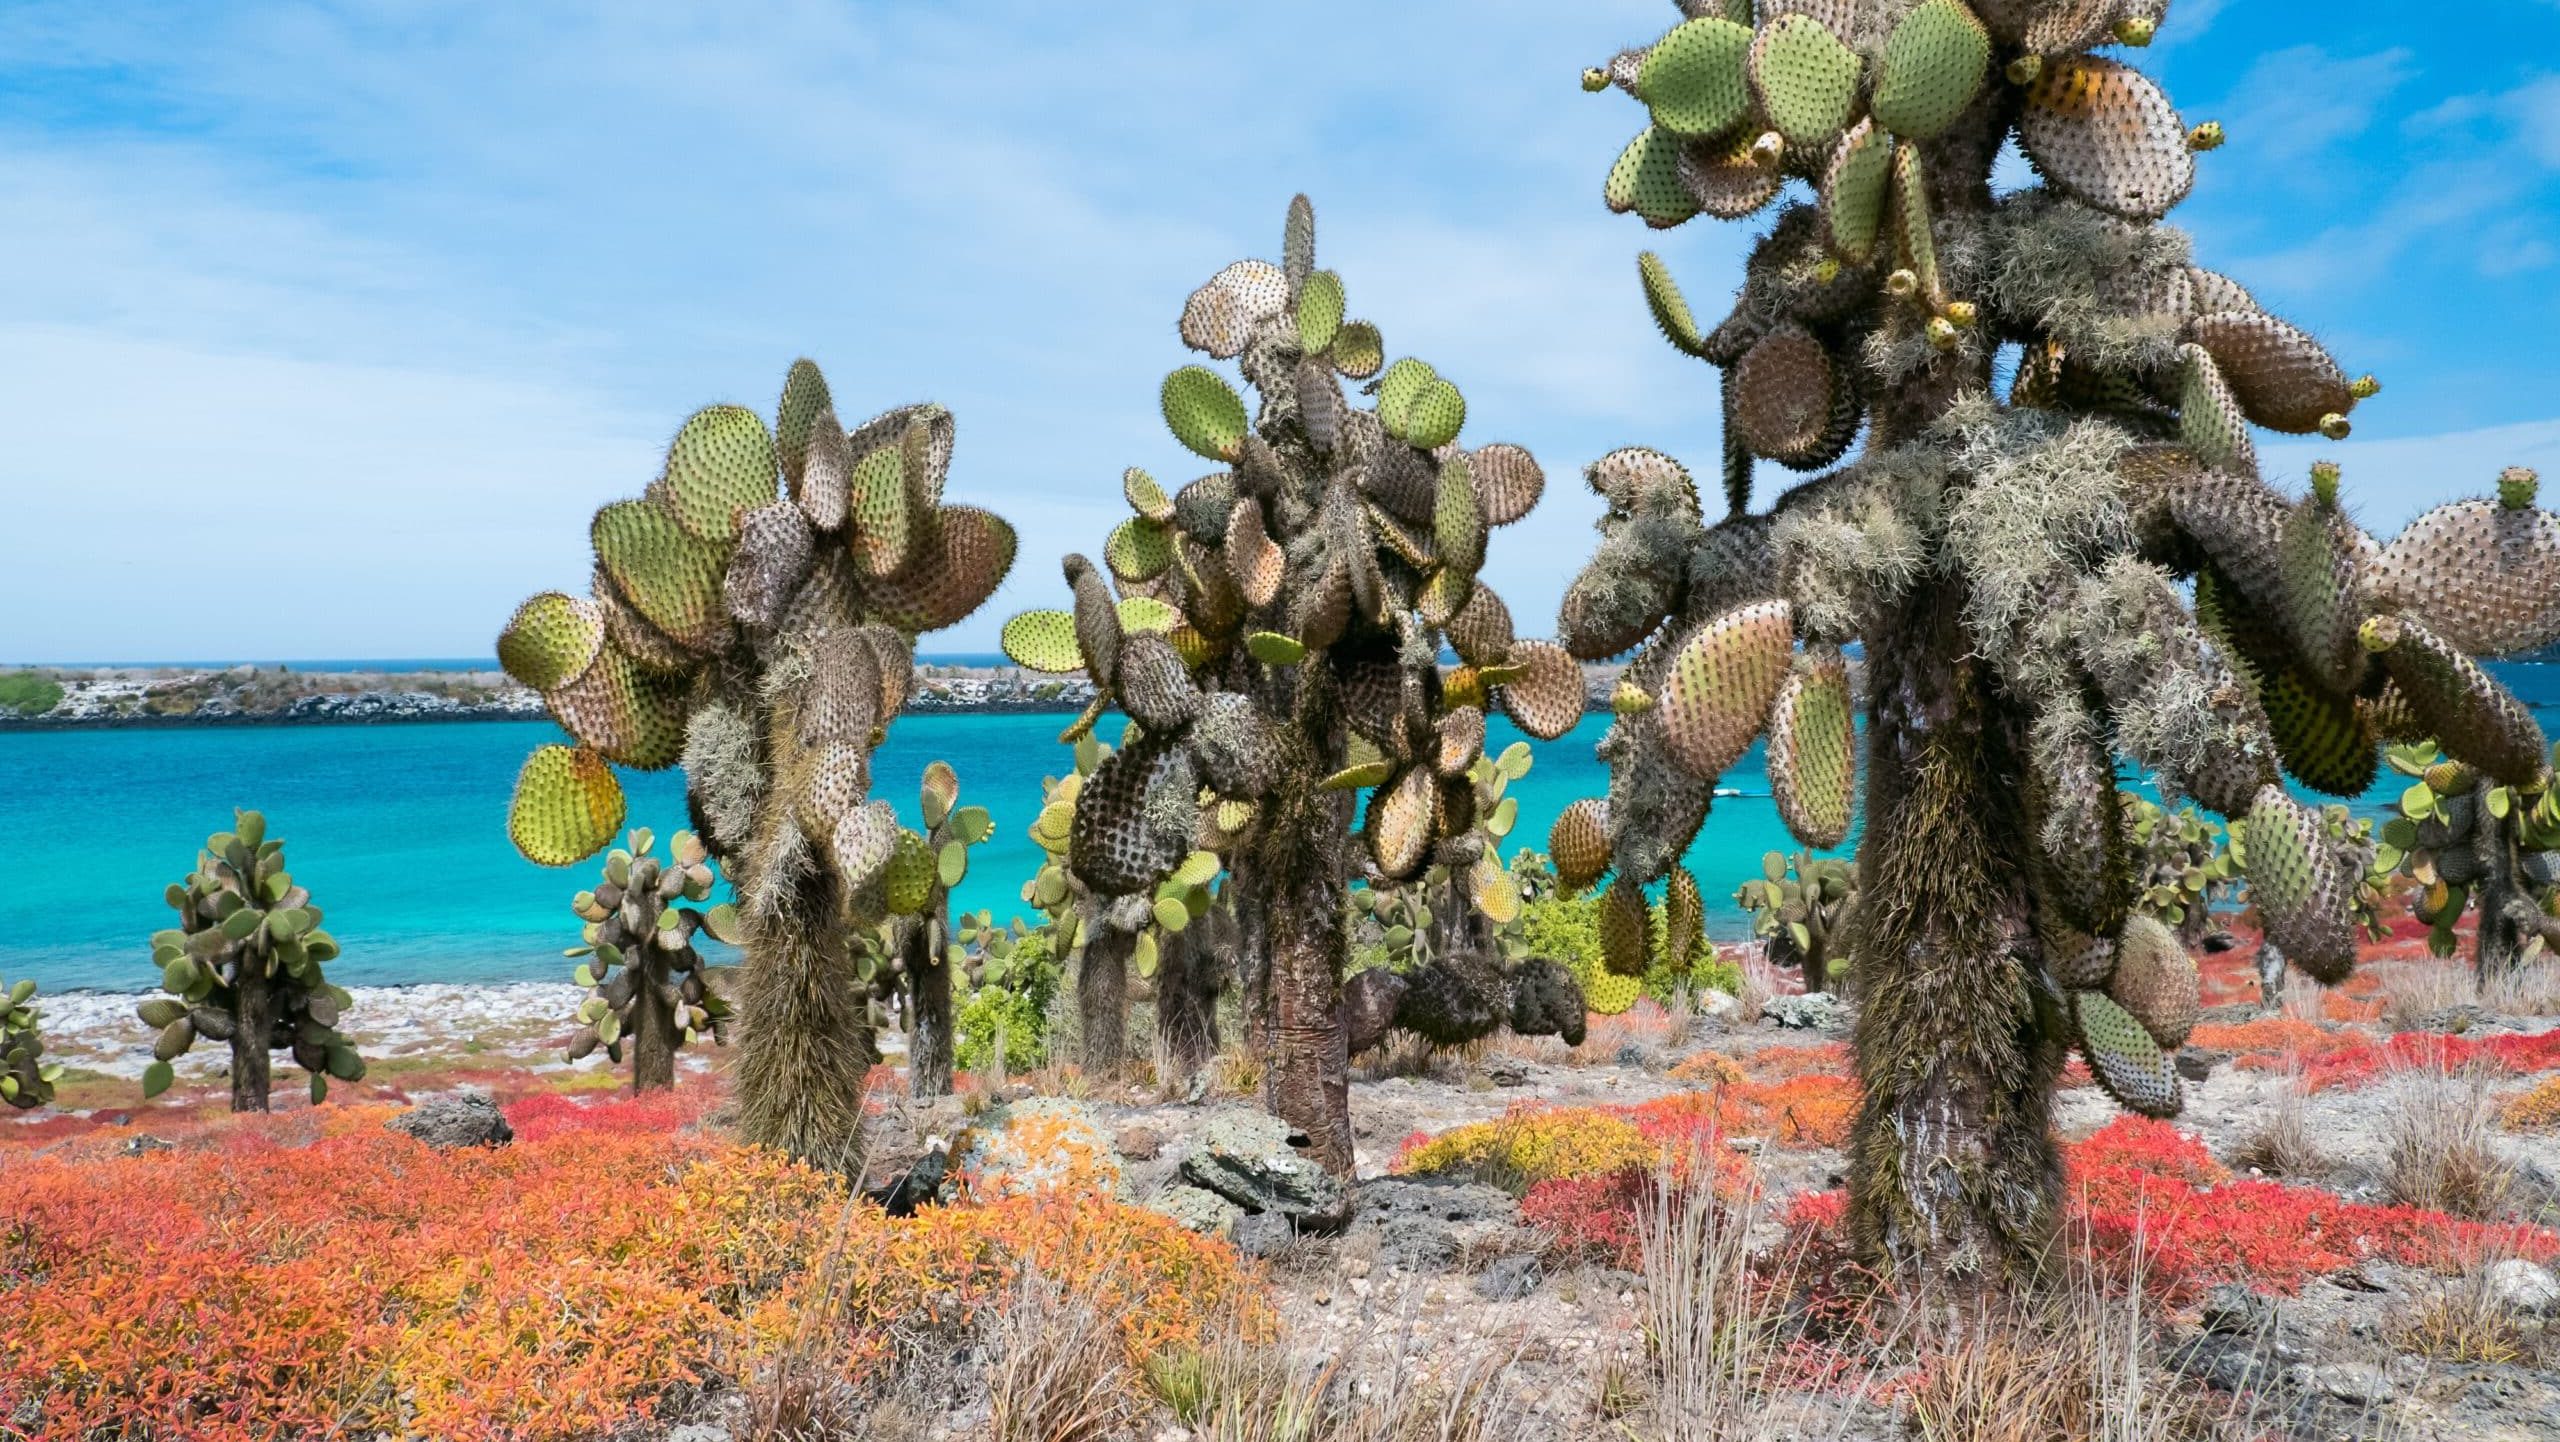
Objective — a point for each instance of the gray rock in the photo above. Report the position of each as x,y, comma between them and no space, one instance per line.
2524,1287
464,1119
699,1432
1813,1011
1198,1209
1245,1156
1425,1225
1715,1005
2232,1310
1508,1280
2356,1382
1263,1234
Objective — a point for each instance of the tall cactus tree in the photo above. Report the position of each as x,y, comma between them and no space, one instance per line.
648,991
753,616
2011,564
1275,609
26,1079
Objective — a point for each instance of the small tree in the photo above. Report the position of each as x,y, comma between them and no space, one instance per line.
26,1080
648,990
243,966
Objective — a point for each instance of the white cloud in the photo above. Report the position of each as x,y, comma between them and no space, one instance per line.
2390,482
2295,103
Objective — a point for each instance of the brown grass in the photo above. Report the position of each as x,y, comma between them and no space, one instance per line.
2415,990
1055,1371
2436,1138
2282,1146
1237,1391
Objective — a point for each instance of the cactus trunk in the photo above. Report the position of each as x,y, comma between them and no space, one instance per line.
1186,1005
1308,1065
2508,915
930,1040
1953,1174
806,1052
1102,999
654,1033
252,1041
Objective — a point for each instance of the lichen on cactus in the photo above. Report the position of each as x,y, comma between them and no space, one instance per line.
243,966
2468,842
1800,907
648,990
2012,564
1254,621
26,1079
753,617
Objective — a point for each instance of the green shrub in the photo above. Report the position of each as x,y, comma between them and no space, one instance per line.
1020,1003
1566,929
28,693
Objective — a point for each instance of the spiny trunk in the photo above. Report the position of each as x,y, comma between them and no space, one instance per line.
1308,1073
1186,1004
252,1041
1953,1173
653,1032
2497,942
805,1054
930,1044
1102,999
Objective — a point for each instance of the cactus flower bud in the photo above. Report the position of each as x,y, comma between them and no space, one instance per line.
1961,314
2517,487
1943,333
1902,283
2207,136
2335,426
2025,69
1595,79
2136,30
1825,271
2364,388
1768,150
2379,633
2324,482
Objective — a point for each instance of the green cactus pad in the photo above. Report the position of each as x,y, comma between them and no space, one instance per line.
1145,496
1319,311
1723,681
966,558
1457,519
1508,481
1578,843
1684,922
1913,225
1402,821
1933,67
1358,350
1398,390
2317,568
1043,641
907,881
1856,189
2103,133
2124,1059
2325,740
2476,720
721,463
669,576
2294,878
1693,78
1813,750
1646,179
805,399
1546,698
1435,416
1204,413
2284,380
1669,308
1608,994
551,639
865,839
883,527
1805,79
1139,549
2480,574
1626,929
2155,981
2210,422
630,715
567,806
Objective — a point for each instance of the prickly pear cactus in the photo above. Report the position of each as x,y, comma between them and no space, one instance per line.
1637,937
2181,865
915,944
1254,621
2012,562
648,991
1800,906
753,617
242,966
2464,841
26,1080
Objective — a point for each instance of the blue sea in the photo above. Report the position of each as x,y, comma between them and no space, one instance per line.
400,831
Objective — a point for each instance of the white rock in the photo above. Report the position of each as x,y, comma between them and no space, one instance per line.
2524,1287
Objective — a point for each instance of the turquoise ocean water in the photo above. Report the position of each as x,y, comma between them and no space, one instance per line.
399,831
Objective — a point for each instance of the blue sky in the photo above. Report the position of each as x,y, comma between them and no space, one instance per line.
326,325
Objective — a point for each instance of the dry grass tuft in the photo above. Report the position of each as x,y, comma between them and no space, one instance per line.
2464,1320
1232,1390
2530,990
2438,1154
1056,1372
2415,990
2282,1145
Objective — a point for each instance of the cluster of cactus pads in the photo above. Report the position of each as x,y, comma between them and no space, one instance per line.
1274,609
648,990
2464,839
1800,907
243,966
2011,562
26,1080
909,955
754,616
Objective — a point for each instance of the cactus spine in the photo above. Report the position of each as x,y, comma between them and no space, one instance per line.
243,966
648,990
753,616
2011,564
1270,611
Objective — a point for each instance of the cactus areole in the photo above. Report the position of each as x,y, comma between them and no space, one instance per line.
753,617
2011,558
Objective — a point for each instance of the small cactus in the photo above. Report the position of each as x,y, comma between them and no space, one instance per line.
2469,842
26,1080
1800,906
2181,866
243,966
916,946
648,990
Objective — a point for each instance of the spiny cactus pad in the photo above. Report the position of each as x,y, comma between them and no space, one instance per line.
2104,132
1813,750
721,463
1724,678
2155,981
1042,641
1204,412
2284,380
2126,1061
1646,180
2483,576
1693,79
551,639
1933,67
1805,79
1855,190
1546,698
1578,843
567,806
671,577
1626,929
2295,879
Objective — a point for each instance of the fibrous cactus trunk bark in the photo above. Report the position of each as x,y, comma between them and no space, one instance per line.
1187,1002
653,1031
931,1047
805,1055
252,1042
1953,1162
1102,998
1307,1077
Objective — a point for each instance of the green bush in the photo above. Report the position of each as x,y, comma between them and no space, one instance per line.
1020,1004
29,694
1566,929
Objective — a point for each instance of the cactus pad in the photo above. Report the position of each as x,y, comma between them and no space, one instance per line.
1725,178
670,577
1154,684
966,558
1813,750
864,840
1933,67
1112,848
1684,921
775,549
1787,399
1578,843
1609,994
1723,681
1646,180
2475,720
721,463
2078,960
2155,981
567,806
1204,413
2106,134
551,640
1670,309
1806,80
2123,1057
2301,892
1626,929
1043,641
2483,576
1319,311
1547,697
2283,379
1220,317
1481,632
1461,740
1508,481
1403,818
1138,550
629,715
1855,190
2210,421
1692,79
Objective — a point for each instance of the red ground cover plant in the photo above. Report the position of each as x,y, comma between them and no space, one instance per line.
315,1274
